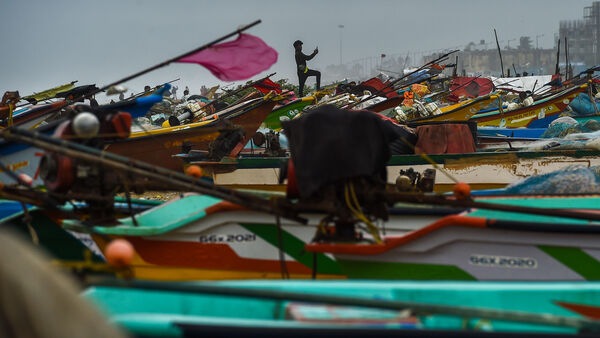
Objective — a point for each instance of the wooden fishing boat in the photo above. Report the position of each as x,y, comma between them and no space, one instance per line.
201,237
385,105
160,146
350,308
344,218
19,159
287,111
462,112
22,159
32,116
484,245
67,248
482,169
537,115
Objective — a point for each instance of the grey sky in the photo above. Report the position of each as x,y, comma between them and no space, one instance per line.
47,43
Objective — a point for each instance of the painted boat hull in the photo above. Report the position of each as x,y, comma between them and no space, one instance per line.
210,239
282,308
538,115
484,245
160,147
482,170
288,111
32,117
461,113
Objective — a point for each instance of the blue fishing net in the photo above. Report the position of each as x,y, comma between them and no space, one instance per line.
565,125
574,179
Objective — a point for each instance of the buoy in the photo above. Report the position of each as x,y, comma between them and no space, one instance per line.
119,253
194,171
86,125
462,191
26,179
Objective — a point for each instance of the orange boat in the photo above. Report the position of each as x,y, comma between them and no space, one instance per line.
160,146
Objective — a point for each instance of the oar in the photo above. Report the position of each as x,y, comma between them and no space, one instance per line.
417,308
178,181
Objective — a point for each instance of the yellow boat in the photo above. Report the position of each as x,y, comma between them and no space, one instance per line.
537,115
461,112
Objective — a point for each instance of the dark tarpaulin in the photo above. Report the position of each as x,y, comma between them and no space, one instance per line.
78,91
329,144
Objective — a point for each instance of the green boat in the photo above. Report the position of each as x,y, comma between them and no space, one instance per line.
350,308
287,111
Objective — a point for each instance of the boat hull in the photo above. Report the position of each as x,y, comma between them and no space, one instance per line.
285,308
484,245
482,170
160,148
538,115
207,240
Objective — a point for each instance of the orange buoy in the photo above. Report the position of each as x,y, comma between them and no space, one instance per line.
119,253
462,191
194,171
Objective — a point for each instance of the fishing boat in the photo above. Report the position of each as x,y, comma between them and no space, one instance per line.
483,245
287,111
461,112
482,169
539,114
159,146
350,308
342,215
23,159
11,114
32,116
208,238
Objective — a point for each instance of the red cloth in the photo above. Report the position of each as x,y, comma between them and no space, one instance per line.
235,60
267,85
471,86
447,138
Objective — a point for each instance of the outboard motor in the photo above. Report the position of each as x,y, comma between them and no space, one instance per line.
69,178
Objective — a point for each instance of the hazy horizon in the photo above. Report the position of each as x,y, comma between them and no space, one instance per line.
48,43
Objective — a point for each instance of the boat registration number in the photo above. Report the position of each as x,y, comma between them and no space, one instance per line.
503,261
227,238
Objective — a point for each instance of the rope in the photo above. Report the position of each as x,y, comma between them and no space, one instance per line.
350,197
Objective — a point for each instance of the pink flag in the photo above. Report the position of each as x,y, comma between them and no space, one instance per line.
235,60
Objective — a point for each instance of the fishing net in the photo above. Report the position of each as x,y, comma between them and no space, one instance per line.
574,179
566,125
566,133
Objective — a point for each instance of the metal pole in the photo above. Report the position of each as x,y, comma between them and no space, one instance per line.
341,27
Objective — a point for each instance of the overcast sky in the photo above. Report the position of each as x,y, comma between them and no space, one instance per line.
50,42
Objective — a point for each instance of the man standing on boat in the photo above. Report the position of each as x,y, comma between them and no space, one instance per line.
303,71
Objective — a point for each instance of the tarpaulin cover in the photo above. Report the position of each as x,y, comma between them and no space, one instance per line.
375,85
469,86
329,144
